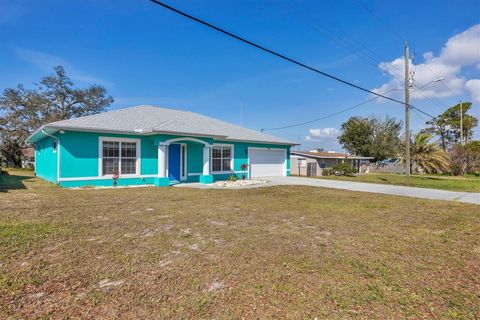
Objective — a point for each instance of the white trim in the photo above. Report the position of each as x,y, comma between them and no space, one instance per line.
232,157
183,177
161,161
269,149
167,142
129,132
106,177
58,159
167,164
207,164
286,143
154,132
167,161
299,157
223,172
192,174
302,162
138,142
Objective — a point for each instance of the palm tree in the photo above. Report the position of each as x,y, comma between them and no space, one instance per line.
428,155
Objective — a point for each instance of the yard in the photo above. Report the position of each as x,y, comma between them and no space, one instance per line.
467,184
277,252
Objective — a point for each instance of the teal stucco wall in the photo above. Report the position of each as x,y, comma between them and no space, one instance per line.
46,159
79,159
80,152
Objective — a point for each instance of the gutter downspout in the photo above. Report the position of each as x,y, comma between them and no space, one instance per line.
58,153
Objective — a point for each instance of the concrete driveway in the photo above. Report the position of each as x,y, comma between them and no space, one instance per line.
435,194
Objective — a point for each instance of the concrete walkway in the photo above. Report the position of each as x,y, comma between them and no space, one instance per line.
425,193
434,194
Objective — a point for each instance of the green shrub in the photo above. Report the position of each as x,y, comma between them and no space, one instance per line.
232,178
341,169
344,169
328,172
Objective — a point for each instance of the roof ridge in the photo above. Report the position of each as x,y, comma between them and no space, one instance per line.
156,118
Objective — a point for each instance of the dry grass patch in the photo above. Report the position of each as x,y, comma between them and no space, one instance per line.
277,252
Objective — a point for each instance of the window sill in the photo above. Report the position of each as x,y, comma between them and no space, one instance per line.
122,176
222,172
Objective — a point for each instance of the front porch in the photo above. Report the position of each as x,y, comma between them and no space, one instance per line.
174,156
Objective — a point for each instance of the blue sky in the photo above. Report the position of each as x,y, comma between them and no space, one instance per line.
144,54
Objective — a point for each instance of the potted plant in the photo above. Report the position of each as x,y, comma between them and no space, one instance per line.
244,167
115,176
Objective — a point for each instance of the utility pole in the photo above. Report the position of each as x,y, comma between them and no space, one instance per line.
407,114
461,122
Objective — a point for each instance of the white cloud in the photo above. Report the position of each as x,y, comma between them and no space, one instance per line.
462,48
460,51
325,138
318,134
46,62
474,87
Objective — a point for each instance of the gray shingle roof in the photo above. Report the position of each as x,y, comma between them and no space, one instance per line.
147,119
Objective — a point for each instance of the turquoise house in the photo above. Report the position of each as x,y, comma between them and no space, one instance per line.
148,145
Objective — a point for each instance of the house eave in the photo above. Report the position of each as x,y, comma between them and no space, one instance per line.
38,135
286,143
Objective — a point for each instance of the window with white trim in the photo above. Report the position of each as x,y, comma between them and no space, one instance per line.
119,156
221,158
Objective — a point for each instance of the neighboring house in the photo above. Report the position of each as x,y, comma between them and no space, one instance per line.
28,157
311,163
156,146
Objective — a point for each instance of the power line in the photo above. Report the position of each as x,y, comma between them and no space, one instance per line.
395,69
396,33
337,113
274,53
419,115
348,41
421,111
321,118
345,41
443,82
401,37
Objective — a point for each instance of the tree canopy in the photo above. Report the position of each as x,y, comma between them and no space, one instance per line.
371,137
447,125
54,98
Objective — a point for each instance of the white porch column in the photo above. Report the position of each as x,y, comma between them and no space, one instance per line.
162,160
206,160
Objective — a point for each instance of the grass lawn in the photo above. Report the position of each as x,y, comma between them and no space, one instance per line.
270,253
466,184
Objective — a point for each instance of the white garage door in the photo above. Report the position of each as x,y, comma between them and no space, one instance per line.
266,162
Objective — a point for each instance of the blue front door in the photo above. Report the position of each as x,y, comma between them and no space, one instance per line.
174,162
